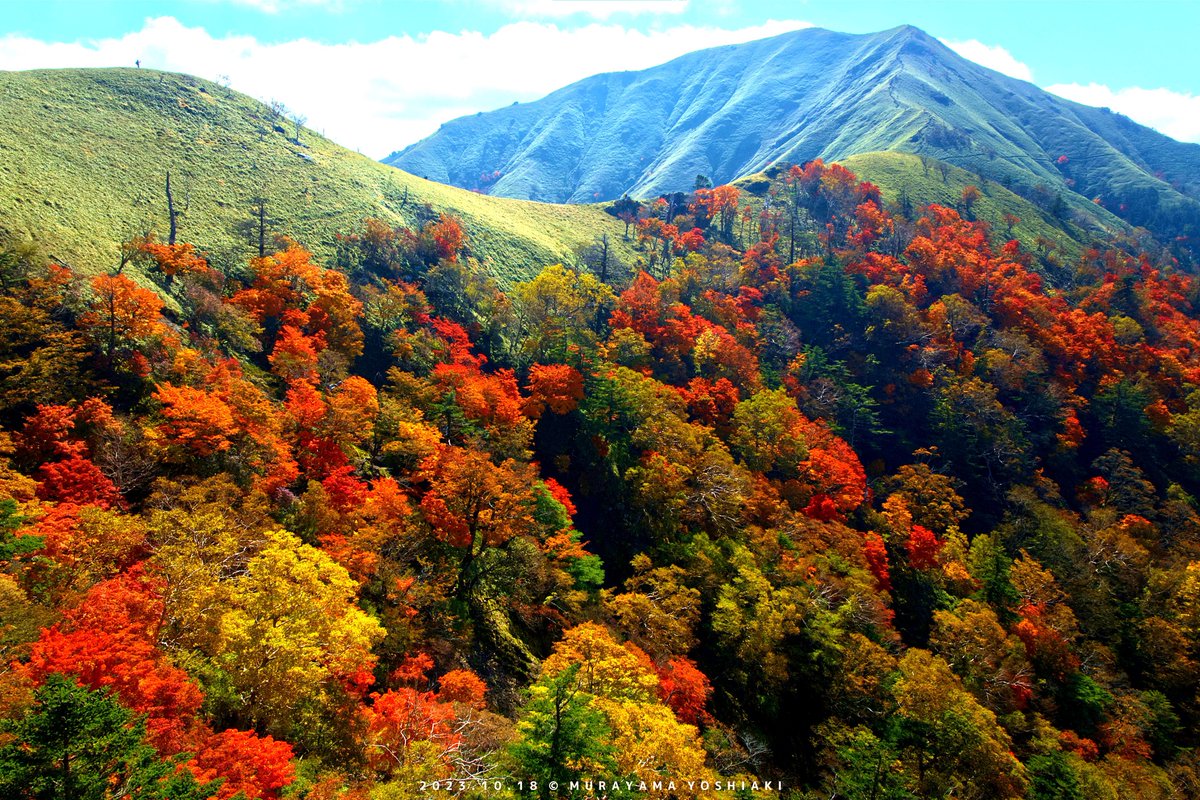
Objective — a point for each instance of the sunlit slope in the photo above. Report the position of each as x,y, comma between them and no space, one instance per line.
732,111
923,181
915,182
84,156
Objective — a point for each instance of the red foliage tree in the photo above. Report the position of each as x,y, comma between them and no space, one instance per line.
258,767
683,687
77,480
462,686
875,552
178,259
923,547
449,238
555,386
121,313
399,718
294,357
110,641
194,420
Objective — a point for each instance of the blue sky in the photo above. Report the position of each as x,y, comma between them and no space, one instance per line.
378,74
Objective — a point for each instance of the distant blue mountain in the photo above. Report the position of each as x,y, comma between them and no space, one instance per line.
731,111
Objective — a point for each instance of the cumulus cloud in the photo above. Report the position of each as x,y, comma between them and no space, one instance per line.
597,9
380,96
1176,114
993,57
275,6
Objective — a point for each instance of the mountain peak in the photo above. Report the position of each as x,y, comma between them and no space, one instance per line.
807,94
906,31
910,40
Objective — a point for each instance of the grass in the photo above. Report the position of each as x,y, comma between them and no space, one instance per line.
926,181
84,156
921,178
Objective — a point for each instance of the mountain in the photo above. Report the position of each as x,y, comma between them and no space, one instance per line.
731,111
84,156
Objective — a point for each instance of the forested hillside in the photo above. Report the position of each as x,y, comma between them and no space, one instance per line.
867,500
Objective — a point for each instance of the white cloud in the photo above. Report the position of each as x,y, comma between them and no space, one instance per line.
275,6
380,96
598,9
993,57
1176,114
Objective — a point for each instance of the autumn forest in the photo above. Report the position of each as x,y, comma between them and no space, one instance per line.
822,496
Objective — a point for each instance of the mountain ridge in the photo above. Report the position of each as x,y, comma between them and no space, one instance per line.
84,154
731,111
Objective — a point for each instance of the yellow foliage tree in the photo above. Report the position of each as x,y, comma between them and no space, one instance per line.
292,628
276,616
754,618
954,746
608,668
646,740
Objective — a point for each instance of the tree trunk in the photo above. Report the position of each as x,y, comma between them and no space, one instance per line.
172,214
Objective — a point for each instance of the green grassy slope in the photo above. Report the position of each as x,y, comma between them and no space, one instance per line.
84,156
921,179
925,181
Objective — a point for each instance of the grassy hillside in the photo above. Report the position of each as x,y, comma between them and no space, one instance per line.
84,156
925,180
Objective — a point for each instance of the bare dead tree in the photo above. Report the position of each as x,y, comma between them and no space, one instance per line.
257,229
172,214
125,459
298,121
176,212
598,257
